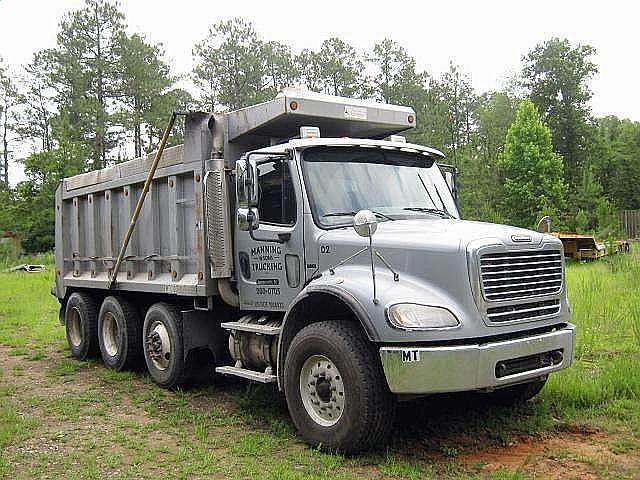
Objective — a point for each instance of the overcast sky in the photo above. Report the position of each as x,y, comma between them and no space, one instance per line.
486,38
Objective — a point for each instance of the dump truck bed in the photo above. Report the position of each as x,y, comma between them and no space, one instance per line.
167,251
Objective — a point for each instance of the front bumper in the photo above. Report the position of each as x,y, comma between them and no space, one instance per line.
421,370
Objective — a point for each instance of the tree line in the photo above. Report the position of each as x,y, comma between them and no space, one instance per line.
102,95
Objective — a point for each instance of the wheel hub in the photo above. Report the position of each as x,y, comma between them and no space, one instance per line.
75,327
159,346
110,334
322,390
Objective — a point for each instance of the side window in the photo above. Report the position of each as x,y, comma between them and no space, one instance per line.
277,203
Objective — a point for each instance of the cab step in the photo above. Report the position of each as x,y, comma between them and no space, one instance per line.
249,374
252,328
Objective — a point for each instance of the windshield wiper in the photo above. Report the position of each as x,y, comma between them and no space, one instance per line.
345,214
444,208
434,211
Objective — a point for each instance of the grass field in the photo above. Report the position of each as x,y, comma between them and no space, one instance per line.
61,418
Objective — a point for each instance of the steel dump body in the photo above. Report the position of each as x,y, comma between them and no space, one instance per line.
166,253
170,251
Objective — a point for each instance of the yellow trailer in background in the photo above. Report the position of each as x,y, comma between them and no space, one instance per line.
586,247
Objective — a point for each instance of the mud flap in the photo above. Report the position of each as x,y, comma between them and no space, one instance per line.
201,330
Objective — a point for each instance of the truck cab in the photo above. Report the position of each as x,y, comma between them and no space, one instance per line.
338,268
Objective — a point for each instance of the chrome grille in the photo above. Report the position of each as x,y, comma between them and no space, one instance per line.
523,311
513,275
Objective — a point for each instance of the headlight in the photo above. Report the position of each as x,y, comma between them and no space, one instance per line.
414,316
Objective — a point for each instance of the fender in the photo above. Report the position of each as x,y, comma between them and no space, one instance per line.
289,321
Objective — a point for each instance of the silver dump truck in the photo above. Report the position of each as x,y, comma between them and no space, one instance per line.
302,242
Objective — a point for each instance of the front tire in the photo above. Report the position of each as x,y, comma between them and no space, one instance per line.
119,334
81,324
163,345
336,391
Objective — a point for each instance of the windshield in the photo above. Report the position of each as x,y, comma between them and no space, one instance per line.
393,184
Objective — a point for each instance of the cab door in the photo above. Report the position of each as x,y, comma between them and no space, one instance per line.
269,258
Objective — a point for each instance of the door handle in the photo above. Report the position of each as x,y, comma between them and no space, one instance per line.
245,266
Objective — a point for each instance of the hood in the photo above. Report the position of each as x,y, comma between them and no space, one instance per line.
443,235
435,264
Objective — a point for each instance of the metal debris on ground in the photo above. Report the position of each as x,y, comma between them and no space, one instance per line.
28,267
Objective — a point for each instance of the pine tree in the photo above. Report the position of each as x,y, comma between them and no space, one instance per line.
532,173
230,71
556,75
84,72
38,108
143,80
396,79
8,102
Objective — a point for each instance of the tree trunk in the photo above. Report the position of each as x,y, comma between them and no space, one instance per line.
5,148
100,149
137,139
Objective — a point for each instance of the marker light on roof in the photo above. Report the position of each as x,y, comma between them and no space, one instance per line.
309,132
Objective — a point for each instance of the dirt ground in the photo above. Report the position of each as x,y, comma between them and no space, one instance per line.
571,455
575,453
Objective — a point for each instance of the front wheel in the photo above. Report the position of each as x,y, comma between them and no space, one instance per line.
336,391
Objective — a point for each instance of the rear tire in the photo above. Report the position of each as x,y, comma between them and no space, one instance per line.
163,345
119,334
336,391
81,324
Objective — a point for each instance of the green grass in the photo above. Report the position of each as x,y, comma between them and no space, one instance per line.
605,379
28,313
81,420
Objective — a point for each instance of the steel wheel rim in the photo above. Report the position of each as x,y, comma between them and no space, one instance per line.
75,327
322,390
159,345
110,334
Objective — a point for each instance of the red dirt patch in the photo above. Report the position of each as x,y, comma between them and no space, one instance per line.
579,456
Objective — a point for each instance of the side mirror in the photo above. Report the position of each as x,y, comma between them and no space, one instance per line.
246,183
248,219
544,225
450,174
451,181
365,223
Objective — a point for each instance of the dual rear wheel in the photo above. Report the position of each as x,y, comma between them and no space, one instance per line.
116,333
119,334
81,320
